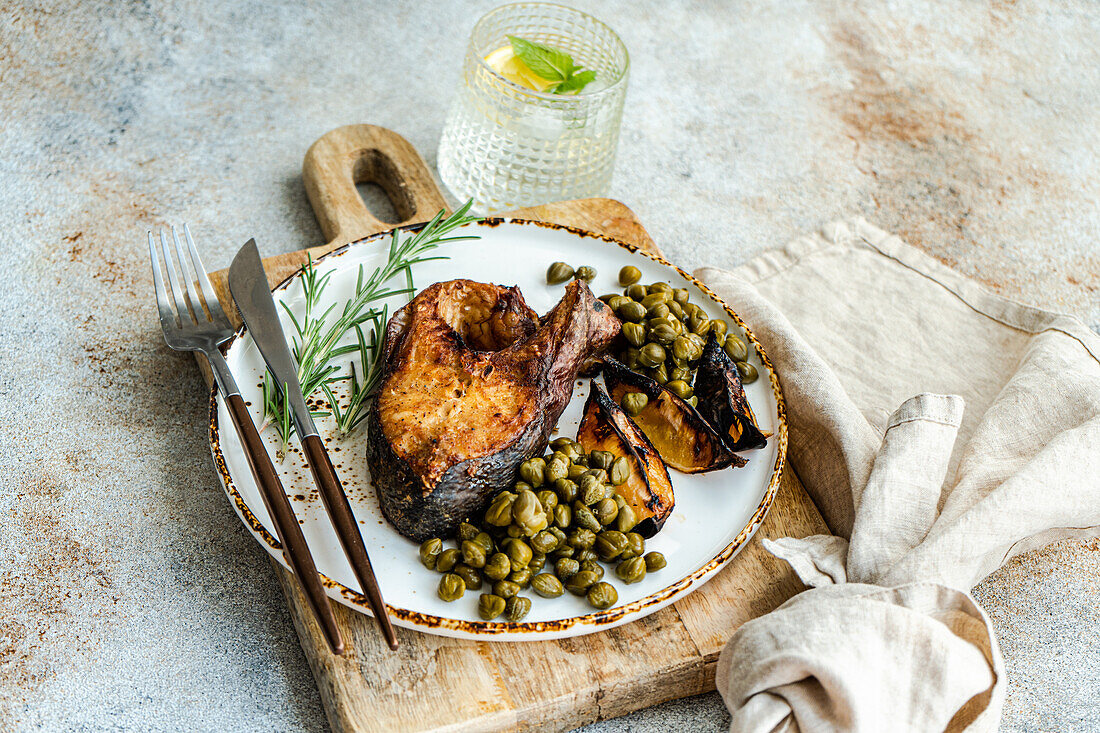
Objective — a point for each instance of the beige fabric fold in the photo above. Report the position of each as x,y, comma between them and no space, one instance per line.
940,429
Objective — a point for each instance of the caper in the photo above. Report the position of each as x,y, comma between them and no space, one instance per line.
635,546
591,489
629,275
680,388
620,469
664,335
629,357
473,554
522,578
631,571
558,533
546,585
735,348
505,589
519,552
634,403
566,567
690,309
651,355
451,587
719,328
610,544
680,295
699,325
467,531
558,272
634,333
682,348
748,372
514,531
469,576
654,561
583,517
606,511
693,400
586,273
606,297
497,567
576,470
500,510
564,550
447,560
485,541
614,302
579,582
660,310
556,469
592,565
660,287
527,513
654,298
429,552
584,555
602,595
544,542
619,500
632,311
549,500
601,459
676,309
522,486
627,519
533,471
659,373
538,562
680,373
489,606
563,516
560,442
637,291
516,607
581,538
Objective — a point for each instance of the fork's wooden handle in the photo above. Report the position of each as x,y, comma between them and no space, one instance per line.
290,534
366,154
343,521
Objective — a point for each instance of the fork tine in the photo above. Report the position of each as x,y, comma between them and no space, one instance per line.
207,288
186,272
167,315
181,303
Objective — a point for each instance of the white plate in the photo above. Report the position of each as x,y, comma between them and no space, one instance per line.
715,513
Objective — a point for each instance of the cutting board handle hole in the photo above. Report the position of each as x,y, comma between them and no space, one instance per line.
378,202
382,187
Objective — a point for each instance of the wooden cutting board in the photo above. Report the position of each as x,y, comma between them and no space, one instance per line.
434,683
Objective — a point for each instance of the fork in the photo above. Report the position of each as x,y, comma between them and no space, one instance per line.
189,326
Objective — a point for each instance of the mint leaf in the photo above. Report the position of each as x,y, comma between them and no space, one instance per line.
546,62
575,83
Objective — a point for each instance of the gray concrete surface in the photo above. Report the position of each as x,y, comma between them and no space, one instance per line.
130,596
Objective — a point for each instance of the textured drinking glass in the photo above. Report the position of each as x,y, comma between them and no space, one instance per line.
506,146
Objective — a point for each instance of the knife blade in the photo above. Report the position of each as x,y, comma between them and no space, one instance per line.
249,287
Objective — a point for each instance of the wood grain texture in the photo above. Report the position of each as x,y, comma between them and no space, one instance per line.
438,684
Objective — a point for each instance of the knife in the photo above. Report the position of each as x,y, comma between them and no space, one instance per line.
249,287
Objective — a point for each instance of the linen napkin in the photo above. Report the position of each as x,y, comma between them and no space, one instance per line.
941,430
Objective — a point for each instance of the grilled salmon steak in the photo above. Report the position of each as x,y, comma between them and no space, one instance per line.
472,386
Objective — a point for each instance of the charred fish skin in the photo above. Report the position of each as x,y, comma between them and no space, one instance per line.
472,386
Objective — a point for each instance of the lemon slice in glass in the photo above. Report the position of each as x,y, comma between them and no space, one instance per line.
505,62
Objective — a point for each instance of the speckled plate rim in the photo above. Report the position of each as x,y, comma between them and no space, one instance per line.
589,623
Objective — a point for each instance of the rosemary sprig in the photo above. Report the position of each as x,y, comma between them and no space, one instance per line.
319,340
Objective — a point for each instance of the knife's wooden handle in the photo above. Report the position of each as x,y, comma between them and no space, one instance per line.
343,521
290,534
366,154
